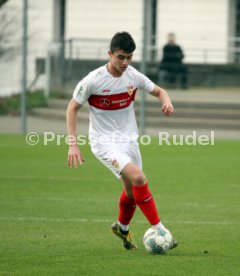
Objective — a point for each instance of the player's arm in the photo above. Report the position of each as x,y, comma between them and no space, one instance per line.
163,97
74,154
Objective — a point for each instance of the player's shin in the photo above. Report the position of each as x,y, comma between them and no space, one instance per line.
145,201
127,207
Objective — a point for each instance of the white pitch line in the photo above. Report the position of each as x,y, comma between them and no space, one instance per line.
72,199
84,220
34,177
54,219
52,198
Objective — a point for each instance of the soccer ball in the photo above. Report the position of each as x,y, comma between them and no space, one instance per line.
157,240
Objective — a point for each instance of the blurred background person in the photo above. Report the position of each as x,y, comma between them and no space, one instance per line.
171,65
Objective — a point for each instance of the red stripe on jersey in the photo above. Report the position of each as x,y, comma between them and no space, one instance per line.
112,102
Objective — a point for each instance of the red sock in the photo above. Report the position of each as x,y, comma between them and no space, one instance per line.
146,203
127,207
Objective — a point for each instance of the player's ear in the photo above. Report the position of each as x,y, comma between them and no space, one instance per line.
110,54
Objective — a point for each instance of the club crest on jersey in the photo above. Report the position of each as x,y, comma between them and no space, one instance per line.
115,164
130,89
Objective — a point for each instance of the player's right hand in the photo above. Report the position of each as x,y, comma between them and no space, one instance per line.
74,156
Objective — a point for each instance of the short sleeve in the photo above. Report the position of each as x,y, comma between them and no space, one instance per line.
145,83
82,91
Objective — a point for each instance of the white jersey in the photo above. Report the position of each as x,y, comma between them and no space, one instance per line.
111,102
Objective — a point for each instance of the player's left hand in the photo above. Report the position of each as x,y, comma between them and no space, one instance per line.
167,109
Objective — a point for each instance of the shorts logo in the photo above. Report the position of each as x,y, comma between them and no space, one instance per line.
115,164
104,102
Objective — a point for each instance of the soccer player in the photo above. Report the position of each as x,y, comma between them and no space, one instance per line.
110,92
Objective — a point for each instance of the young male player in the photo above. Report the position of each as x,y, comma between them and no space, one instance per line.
110,91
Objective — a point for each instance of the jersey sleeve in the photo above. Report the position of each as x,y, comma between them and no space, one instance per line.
82,91
145,83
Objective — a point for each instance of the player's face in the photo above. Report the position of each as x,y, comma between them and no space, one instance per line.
119,61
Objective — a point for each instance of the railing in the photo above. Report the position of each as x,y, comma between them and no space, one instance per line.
96,48
76,49
234,49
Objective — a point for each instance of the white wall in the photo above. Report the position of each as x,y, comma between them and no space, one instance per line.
40,36
103,18
10,65
201,27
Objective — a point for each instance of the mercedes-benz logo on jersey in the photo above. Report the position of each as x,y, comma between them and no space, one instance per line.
104,102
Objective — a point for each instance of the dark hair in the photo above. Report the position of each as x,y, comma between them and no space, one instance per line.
122,41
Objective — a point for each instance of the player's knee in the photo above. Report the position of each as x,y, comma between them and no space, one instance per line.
139,178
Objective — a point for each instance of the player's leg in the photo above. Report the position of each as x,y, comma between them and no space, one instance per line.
143,196
116,160
127,207
141,192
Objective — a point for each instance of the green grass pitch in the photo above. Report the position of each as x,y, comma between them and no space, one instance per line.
55,220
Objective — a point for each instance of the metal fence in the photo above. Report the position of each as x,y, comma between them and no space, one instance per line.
95,48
